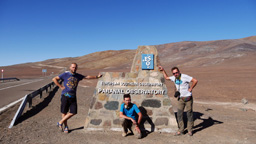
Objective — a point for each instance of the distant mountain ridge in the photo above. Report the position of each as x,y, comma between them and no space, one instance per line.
206,53
187,53
221,53
97,60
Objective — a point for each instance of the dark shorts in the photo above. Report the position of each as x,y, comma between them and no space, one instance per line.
68,104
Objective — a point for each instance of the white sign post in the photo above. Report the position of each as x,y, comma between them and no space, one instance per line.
44,72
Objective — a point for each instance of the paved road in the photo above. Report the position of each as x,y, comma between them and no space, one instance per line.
12,91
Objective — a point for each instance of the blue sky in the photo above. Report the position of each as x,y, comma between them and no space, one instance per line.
36,30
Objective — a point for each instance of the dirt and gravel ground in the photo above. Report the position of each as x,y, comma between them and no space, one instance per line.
215,122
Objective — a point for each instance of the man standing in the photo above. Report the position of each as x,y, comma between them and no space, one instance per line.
128,112
184,95
68,95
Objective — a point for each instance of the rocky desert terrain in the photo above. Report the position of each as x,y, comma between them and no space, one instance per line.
225,70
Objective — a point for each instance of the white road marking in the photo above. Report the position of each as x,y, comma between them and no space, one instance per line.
11,104
21,84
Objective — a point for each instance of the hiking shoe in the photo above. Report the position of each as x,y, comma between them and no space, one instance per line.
124,134
178,133
190,133
138,135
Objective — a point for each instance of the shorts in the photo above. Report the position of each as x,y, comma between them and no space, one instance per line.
68,104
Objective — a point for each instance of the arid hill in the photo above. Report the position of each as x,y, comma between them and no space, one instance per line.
225,68
208,53
219,53
187,54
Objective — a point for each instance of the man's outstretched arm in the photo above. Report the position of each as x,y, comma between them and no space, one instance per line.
93,77
164,73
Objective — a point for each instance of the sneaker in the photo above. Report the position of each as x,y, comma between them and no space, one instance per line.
138,135
190,133
178,133
124,134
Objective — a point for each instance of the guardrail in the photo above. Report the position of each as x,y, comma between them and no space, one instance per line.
9,79
28,99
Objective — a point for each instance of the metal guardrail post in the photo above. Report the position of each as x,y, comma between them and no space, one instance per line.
30,100
19,111
41,93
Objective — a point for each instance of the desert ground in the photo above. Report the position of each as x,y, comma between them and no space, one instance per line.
217,120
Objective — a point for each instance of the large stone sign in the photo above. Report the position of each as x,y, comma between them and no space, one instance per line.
148,91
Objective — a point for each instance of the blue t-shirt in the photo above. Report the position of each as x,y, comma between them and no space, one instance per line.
70,82
131,112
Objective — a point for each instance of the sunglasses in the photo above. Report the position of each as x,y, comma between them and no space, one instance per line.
175,73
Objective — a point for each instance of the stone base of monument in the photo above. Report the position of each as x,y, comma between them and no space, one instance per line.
147,89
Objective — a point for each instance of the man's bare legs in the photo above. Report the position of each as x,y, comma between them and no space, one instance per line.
65,118
65,122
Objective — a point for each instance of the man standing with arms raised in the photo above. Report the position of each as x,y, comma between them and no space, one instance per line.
68,95
184,95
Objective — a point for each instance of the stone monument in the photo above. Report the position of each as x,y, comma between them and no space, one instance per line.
148,91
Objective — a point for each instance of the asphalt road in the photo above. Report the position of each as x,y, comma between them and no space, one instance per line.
14,90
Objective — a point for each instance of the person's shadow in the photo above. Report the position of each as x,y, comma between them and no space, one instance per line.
203,125
79,128
145,120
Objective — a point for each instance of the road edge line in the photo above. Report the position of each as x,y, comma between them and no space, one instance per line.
11,104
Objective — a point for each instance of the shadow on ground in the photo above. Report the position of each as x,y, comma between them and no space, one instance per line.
82,127
39,107
206,122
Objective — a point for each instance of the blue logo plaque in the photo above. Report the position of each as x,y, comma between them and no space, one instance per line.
147,61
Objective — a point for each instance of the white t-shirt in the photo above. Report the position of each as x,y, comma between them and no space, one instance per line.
182,85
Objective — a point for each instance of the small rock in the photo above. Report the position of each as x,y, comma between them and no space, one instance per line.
111,105
161,121
243,109
154,103
96,121
244,101
208,109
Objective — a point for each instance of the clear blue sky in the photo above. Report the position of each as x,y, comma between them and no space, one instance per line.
36,30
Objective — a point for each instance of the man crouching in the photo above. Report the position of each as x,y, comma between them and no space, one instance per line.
128,112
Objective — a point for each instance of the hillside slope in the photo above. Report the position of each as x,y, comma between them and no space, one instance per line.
187,54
